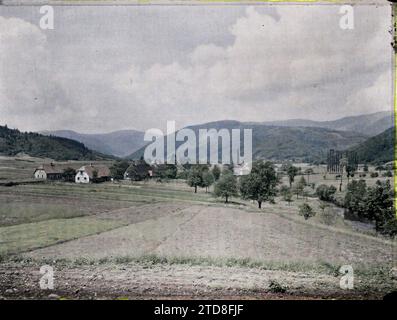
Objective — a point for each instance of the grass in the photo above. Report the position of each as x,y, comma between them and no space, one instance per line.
21,212
25,237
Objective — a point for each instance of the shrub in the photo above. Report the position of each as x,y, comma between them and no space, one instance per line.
328,217
388,174
325,193
277,287
306,211
374,174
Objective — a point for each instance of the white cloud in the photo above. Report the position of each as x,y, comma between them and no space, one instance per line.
30,92
375,97
274,69
287,62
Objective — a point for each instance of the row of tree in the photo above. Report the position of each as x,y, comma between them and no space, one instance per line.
260,185
374,203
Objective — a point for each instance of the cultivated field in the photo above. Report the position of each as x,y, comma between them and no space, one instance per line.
140,240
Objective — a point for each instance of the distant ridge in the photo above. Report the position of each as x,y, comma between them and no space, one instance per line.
118,143
283,143
288,139
378,149
12,142
368,124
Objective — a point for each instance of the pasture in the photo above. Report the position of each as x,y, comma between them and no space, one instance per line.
164,237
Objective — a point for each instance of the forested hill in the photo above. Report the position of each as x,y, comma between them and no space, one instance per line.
277,143
12,142
378,149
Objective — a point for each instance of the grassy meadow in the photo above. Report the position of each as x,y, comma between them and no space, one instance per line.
116,223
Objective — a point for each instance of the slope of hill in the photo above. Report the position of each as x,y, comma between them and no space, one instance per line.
281,143
378,149
368,124
12,142
118,143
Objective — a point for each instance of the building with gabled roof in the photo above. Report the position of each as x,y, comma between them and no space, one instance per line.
92,173
53,171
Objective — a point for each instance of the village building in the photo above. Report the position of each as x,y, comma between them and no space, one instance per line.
52,171
138,170
242,169
92,173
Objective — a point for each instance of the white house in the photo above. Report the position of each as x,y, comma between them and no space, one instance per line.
242,169
92,173
52,171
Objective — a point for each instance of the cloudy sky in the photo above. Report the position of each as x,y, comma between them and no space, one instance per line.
109,68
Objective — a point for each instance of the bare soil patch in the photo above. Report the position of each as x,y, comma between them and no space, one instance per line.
140,281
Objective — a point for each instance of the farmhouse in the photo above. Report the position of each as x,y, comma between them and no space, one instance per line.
52,171
92,173
138,170
242,169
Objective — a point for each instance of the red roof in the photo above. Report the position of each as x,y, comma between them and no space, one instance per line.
102,170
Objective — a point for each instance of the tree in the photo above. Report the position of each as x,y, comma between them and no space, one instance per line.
323,206
286,193
387,174
284,190
195,177
308,172
299,187
288,197
349,171
325,193
342,164
118,169
379,206
69,174
226,186
216,172
291,172
165,171
374,175
260,184
373,203
355,198
208,180
306,211
139,171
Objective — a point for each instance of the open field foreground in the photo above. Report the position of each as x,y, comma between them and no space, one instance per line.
148,241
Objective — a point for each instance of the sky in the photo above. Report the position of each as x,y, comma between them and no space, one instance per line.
107,68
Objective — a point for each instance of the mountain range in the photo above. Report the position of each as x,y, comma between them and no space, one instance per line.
118,143
125,143
12,142
378,149
368,124
295,139
281,142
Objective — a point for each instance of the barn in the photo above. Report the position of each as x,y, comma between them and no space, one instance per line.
138,170
52,171
92,173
